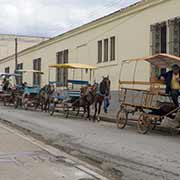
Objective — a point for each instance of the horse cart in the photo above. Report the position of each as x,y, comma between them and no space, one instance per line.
8,90
67,93
146,102
28,96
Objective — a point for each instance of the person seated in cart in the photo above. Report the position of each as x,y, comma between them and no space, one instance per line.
172,80
5,84
24,85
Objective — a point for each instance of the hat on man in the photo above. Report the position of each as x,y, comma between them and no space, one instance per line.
175,67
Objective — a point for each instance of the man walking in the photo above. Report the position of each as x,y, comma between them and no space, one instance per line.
172,80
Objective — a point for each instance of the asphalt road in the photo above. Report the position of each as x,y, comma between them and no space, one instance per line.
25,158
129,155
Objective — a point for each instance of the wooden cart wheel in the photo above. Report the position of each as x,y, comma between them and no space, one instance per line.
25,105
66,110
52,107
77,110
4,101
144,123
16,102
121,119
154,125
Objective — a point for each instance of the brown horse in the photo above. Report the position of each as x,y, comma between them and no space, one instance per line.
87,98
44,97
104,90
94,94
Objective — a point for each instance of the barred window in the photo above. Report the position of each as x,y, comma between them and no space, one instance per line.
159,43
65,75
105,50
113,46
36,75
7,70
62,74
159,38
174,36
99,51
19,79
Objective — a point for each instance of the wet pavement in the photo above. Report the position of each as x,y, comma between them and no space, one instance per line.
22,159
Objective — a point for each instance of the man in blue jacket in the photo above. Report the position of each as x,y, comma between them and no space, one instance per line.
172,80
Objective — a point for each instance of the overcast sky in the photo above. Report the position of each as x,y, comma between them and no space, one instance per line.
52,17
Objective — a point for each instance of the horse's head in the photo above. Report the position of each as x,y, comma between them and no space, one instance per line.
88,89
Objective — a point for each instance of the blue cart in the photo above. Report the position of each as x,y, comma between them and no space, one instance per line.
66,95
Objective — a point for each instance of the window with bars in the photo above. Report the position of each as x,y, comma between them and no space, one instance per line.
159,43
62,74
99,51
106,50
7,70
36,75
19,79
174,36
159,38
112,50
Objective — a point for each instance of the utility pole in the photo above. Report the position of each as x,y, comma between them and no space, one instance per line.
16,49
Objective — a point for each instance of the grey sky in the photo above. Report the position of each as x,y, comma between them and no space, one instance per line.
52,17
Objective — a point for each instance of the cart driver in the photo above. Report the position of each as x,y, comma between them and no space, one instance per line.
172,80
5,84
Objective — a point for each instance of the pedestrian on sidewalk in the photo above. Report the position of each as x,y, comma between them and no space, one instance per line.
107,96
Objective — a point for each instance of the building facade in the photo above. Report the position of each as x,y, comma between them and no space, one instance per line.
148,27
7,43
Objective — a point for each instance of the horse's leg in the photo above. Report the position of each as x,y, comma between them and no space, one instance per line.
88,112
99,111
95,111
45,106
85,110
41,104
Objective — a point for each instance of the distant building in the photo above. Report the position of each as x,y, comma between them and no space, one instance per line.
7,43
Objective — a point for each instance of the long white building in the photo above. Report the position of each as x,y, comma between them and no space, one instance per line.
145,28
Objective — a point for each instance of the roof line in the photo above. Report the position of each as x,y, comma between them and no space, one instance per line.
19,35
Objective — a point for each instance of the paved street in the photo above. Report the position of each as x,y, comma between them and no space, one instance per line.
131,155
22,158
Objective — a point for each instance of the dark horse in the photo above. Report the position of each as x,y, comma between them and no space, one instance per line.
93,94
88,94
104,90
44,96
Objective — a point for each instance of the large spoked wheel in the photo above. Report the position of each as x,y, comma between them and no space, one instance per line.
52,107
16,102
5,101
66,110
25,105
144,123
121,119
77,111
25,101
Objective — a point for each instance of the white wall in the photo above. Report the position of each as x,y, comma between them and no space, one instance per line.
7,43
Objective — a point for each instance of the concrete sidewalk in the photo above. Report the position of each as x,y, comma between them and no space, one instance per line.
24,158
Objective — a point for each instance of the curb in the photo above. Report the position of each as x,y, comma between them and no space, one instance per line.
81,165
